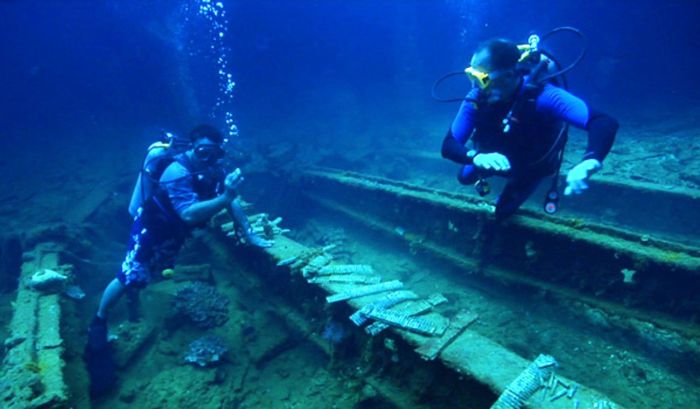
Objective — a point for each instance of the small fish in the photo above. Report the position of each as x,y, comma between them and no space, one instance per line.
74,292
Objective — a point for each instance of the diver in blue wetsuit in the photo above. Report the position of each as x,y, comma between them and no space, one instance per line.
191,189
518,127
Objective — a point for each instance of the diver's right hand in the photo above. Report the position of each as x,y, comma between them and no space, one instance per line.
257,241
232,181
489,161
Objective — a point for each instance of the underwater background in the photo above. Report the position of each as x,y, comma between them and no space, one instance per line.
82,78
332,74
88,85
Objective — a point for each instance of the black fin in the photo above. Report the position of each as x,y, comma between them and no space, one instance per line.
99,359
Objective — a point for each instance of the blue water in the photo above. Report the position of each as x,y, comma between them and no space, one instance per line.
313,71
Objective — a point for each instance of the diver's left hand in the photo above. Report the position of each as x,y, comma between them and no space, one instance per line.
576,180
257,241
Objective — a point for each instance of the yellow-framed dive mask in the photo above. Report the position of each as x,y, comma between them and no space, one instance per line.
484,80
479,78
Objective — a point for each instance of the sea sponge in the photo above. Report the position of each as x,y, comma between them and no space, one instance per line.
202,305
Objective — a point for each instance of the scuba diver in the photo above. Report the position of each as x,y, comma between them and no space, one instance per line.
181,186
517,118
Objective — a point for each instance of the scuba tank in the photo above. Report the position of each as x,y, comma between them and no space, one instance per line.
158,157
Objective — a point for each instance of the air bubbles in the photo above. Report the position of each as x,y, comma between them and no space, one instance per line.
216,16
229,87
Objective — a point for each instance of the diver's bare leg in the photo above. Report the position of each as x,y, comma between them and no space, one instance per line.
112,294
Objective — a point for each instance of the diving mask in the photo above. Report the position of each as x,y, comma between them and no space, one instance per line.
481,79
209,152
478,78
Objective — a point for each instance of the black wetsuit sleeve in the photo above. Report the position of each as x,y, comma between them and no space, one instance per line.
567,107
453,150
453,146
602,129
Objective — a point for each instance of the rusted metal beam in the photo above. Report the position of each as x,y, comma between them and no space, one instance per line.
663,210
32,370
586,260
469,354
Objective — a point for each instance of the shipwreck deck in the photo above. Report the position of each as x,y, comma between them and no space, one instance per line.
426,279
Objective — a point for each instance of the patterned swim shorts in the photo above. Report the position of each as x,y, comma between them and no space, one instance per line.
151,250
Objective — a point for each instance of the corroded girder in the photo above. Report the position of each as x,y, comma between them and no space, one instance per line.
670,209
468,353
631,273
32,370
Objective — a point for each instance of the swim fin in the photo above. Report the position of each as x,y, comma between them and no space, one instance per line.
99,359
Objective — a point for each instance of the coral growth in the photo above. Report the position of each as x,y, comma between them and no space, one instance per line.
206,351
202,305
335,239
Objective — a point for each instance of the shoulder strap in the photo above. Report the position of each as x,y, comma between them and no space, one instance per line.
526,91
184,162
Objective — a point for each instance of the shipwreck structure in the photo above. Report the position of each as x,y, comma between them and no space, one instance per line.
537,312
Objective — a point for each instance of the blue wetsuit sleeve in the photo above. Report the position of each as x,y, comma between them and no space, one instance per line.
176,180
461,129
567,107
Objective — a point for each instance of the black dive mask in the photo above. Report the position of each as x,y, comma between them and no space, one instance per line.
209,153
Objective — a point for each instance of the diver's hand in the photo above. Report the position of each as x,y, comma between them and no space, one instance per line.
488,161
257,241
577,178
232,181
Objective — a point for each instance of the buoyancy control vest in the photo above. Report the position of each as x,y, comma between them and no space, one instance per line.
207,183
159,156
533,140
151,195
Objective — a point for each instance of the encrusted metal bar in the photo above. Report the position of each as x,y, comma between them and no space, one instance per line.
413,308
527,383
389,300
287,261
423,325
346,278
365,290
32,369
316,264
437,299
346,269
431,349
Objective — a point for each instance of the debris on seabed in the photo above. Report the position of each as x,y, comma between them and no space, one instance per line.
451,227
628,275
346,269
